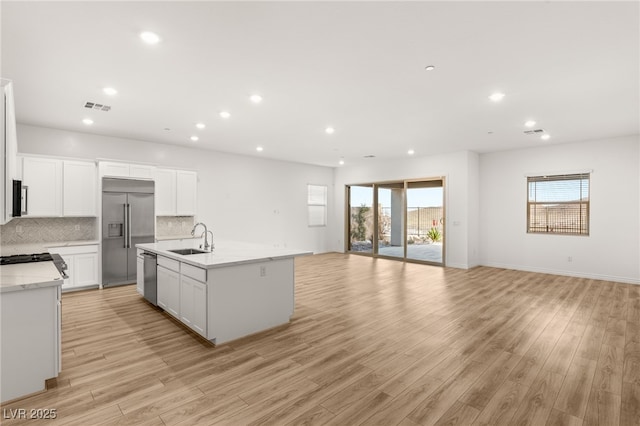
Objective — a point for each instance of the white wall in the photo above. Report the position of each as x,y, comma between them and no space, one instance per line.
239,197
460,171
611,251
485,198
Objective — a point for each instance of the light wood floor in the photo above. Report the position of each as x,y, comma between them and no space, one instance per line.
371,342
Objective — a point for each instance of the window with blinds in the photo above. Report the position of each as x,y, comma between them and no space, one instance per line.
317,205
558,204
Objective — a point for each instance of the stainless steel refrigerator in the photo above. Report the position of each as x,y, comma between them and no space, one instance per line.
128,219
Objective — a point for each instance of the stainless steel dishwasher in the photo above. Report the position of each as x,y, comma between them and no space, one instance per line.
150,277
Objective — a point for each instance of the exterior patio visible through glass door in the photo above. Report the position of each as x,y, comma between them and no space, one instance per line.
425,221
391,241
360,219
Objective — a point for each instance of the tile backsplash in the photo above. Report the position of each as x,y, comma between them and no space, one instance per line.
60,229
50,229
174,226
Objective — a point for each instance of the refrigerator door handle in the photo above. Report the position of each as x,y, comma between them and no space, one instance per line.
126,225
129,224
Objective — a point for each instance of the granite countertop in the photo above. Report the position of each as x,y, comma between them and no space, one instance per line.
11,249
25,276
225,253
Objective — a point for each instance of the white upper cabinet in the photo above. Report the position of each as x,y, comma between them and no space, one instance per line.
115,169
176,192
80,190
140,171
42,178
186,192
165,192
8,150
54,187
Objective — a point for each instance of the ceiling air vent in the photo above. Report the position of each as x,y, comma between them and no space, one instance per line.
533,132
99,107
369,156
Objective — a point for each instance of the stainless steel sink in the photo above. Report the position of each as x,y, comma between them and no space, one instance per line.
187,251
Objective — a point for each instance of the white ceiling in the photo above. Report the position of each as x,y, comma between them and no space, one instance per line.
357,66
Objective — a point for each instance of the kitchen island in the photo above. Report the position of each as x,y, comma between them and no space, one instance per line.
30,325
236,290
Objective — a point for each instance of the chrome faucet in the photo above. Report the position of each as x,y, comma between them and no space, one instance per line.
207,246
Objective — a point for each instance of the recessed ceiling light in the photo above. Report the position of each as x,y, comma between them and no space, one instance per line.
530,123
225,114
88,121
194,138
149,37
430,67
496,97
341,162
256,99
110,91
200,125
329,130
411,152
259,149
545,137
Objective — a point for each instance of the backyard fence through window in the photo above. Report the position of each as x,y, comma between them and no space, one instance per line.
558,204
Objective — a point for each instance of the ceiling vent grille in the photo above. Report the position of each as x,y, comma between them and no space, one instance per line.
99,107
533,132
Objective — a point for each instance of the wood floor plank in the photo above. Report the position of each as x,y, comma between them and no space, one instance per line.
317,415
632,362
574,393
429,411
560,357
371,341
630,404
609,370
481,391
400,407
503,404
603,409
361,409
459,414
538,402
559,418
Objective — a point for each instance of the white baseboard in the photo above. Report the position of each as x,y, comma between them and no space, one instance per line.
626,280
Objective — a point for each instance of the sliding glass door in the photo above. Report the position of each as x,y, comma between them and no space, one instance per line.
390,206
361,220
425,220
402,219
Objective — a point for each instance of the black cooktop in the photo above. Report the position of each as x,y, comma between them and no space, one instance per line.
25,258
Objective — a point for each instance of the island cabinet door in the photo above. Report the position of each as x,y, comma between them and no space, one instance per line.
169,291
193,304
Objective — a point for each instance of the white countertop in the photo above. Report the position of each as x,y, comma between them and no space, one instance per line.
177,237
226,253
11,249
25,276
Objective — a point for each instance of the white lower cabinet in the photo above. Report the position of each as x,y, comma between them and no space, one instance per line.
169,290
182,292
82,265
30,352
193,304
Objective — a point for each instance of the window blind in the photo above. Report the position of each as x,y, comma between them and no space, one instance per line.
558,204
